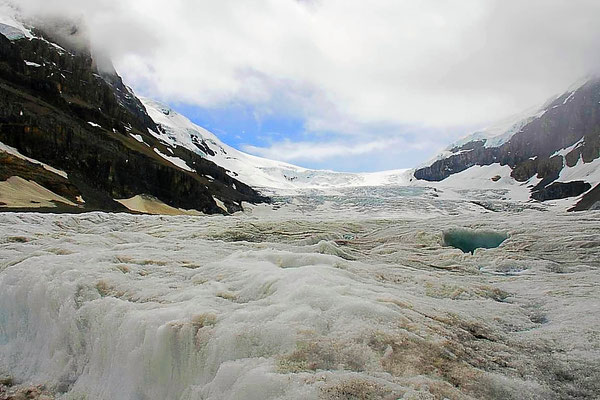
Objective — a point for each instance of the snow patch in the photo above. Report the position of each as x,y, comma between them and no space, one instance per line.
569,98
137,137
567,150
178,162
220,204
16,153
589,172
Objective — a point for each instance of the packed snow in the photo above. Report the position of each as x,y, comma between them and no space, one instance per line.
350,294
589,172
567,150
485,180
220,204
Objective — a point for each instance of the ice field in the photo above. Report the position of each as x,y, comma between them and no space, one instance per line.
346,295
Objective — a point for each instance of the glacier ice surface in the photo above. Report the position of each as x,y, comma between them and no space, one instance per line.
343,295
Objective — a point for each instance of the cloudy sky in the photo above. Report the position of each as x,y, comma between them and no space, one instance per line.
343,84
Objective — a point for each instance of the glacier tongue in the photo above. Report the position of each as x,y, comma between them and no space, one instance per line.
301,302
269,175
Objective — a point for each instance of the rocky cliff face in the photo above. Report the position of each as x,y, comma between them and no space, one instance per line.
566,132
59,108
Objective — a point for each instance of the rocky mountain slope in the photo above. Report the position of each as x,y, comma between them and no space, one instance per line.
554,150
71,128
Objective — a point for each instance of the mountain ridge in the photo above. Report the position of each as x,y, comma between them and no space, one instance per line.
545,146
65,108
59,109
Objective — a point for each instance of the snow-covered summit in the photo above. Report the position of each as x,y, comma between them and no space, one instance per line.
177,130
501,131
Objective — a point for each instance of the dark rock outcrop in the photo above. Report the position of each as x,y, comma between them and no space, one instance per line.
560,190
590,201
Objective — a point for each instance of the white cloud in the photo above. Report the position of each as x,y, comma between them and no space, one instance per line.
348,65
299,151
450,62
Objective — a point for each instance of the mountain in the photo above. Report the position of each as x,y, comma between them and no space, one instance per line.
553,150
268,175
74,137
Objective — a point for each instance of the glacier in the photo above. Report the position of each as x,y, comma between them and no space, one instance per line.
321,295
269,176
275,178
